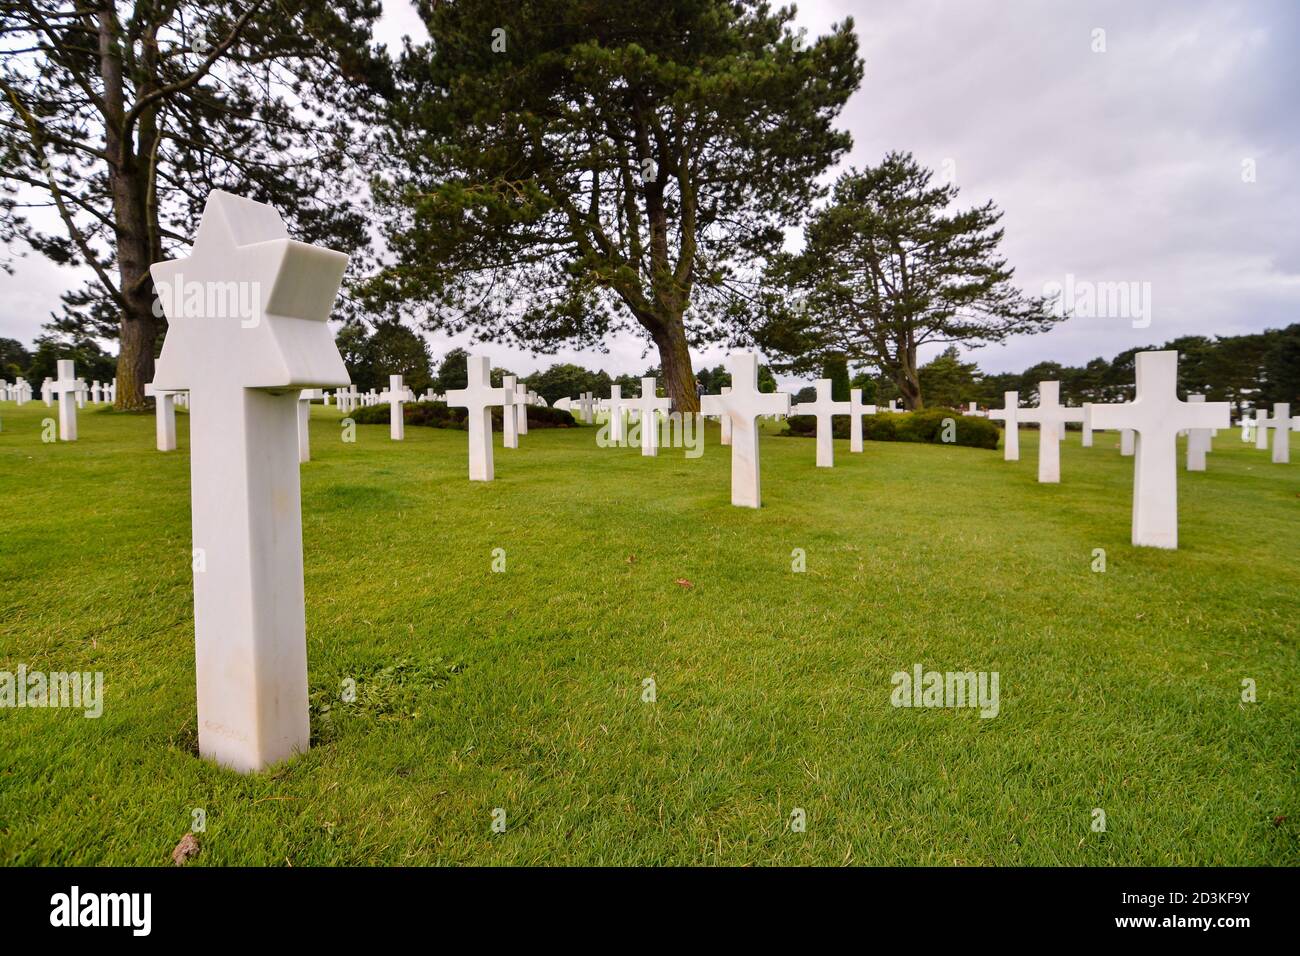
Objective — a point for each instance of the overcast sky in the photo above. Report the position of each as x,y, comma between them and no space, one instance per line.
1119,156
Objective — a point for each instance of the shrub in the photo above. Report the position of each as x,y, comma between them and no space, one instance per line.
439,415
923,426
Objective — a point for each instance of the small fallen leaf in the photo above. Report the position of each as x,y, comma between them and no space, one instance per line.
684,583
631,559
185,850
1278,821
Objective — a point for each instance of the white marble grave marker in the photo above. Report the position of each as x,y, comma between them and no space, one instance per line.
742,406
1051,417
164,417
509,416
1087,424
304,421
1198,441
67,387
1010,414
1157,416
244,373
617,418
520,399
824,409
479,397
856,411
725,422
395,397
1279,423
649,406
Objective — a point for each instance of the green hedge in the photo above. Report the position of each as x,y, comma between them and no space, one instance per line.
438,415
923,426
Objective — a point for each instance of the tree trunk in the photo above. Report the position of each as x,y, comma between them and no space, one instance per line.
675,365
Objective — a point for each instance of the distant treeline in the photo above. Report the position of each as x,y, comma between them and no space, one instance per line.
1247,370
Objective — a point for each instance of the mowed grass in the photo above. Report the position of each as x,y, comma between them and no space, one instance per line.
523,690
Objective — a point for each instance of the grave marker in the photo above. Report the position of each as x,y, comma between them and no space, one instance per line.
824,409
1010,414
1156,416
742,406
1051,417
245,374
479,396
649,406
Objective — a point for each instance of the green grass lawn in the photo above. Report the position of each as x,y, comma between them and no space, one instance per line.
523,690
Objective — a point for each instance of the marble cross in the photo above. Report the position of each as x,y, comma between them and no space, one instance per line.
585,403
1051,417
856,411
1010,414
1280,425
742,406
1262,425
164,417
725,423
1198,441
520,400
47,395
824,409
479,397
1087,424
395,397
67,387
649,406
509,415
617,420
304,421
245,364
1156,415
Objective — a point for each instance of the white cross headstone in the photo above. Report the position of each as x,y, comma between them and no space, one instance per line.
164,417
479,396
1262,425
244,373
856,411
509,416
82,392
304,421
725,423
1010,414
67,387
742,406
1279,423
1087,424
617,421
649,406
1198,441
586,404
520,399
47,393
395,397
824,409
1051,417
1157,416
